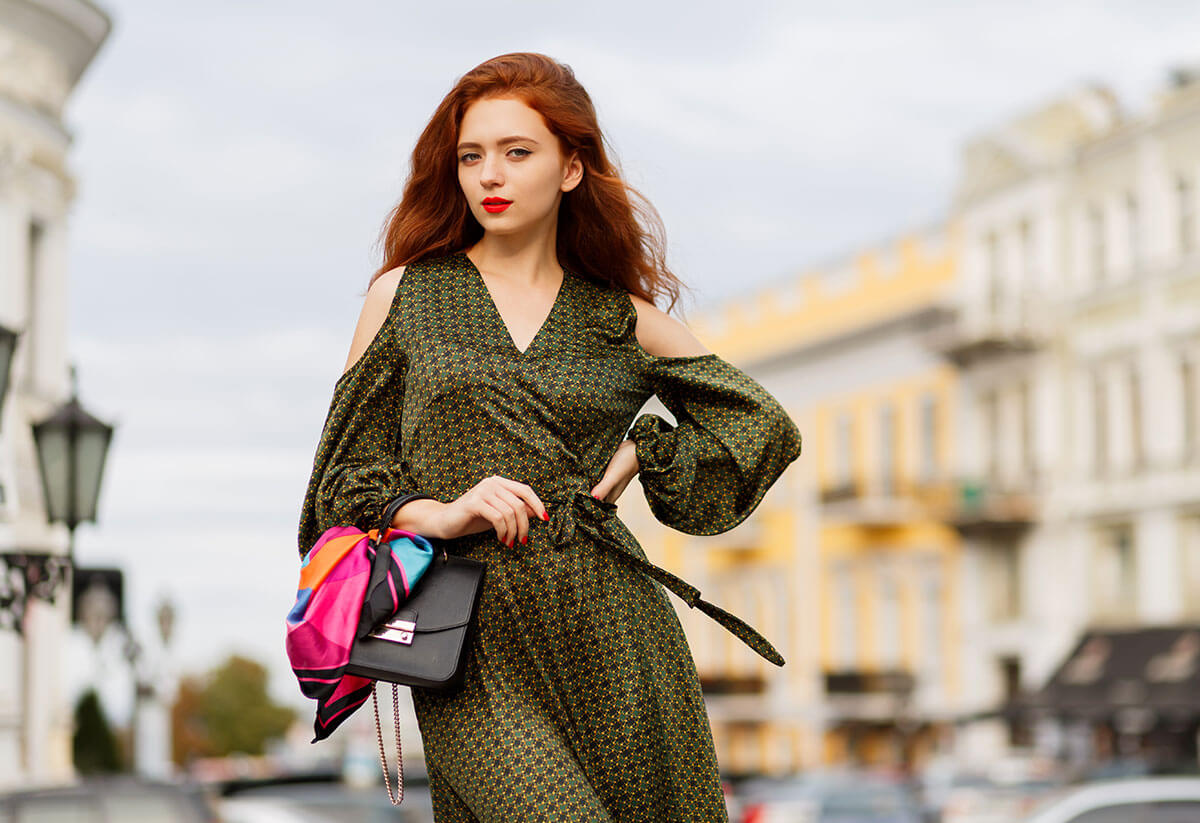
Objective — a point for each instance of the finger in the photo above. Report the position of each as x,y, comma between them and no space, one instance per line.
492,509
507,531
493,515
529,496
600,489
519,511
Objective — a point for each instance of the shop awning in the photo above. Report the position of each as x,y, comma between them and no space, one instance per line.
1154,668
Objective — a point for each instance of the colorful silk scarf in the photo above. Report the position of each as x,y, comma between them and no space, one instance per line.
346,589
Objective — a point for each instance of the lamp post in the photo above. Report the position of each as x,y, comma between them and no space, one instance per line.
71,448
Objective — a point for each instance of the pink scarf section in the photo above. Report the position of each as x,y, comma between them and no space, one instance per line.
322,624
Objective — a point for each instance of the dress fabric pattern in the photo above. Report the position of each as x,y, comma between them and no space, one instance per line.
581,700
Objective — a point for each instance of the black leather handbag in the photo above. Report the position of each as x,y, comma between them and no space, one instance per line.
427,642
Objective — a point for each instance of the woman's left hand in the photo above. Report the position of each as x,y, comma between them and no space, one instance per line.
620,470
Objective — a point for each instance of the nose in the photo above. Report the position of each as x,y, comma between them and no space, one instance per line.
491,173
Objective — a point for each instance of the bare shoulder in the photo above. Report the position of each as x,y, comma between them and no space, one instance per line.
374,311
662,335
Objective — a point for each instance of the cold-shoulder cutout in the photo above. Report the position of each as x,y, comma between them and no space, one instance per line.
376,308
659,335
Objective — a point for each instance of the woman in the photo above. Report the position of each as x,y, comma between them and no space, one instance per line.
504,348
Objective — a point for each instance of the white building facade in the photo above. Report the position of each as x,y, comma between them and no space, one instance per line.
1077,331
45,46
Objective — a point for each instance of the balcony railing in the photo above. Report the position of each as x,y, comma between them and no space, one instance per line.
966,338
980,507
838,492
722,684
869,505
868,696
968,505
857,681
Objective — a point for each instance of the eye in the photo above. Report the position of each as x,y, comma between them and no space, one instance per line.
526,152
467,156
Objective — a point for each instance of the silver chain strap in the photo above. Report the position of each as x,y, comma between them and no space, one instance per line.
398,797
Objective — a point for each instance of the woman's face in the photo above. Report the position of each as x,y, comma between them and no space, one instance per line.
506,152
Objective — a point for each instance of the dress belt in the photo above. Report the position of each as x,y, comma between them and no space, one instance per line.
578,509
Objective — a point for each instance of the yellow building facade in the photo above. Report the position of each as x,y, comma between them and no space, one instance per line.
848,565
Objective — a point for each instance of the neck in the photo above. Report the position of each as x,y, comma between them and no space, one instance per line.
518,259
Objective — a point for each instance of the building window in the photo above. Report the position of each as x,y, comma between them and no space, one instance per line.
1099,422
33,279
1187,390
1114,573
929,424
1185,198
1010,674
1028,261
1003,581
1098,256
1019,731
844,454
1137,442
887,449
1133,229
994,274
845,654
990,413
889,620
1189,560
1025,403
931,627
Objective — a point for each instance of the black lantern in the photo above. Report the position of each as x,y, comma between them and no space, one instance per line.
8,345
71,448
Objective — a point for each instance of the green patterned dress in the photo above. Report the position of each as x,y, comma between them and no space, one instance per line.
581,700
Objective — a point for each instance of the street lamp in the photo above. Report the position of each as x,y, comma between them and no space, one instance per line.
71,447
8,345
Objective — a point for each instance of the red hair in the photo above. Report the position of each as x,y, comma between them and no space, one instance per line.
607,231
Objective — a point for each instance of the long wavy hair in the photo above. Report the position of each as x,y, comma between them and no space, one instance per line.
607,231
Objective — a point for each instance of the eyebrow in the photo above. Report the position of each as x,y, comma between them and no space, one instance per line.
516,138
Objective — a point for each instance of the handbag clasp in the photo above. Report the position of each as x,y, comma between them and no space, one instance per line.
397,630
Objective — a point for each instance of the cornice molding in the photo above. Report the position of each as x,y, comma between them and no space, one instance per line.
71,30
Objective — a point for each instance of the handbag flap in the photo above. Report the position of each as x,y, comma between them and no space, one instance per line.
445,594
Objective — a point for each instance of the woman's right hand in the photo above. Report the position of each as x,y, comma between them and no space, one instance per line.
494,502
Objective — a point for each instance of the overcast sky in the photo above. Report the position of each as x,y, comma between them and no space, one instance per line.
236,161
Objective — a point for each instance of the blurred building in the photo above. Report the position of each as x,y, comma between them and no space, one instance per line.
1077,332
847,565
991,544
44,49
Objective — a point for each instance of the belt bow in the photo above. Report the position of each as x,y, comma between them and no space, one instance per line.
578,509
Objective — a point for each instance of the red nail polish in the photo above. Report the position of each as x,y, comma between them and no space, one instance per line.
524,540
545,515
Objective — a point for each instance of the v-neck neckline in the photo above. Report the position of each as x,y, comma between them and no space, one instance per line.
499,318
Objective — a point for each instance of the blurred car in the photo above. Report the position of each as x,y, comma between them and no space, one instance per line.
997,802
324,797
1132,800
941,789
827,798
110,800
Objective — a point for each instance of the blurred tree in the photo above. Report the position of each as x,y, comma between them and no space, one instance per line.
189,733
229,711
94,745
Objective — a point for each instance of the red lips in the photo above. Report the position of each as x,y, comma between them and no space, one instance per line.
495,205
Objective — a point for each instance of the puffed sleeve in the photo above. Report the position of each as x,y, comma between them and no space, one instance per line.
731,442
357,470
